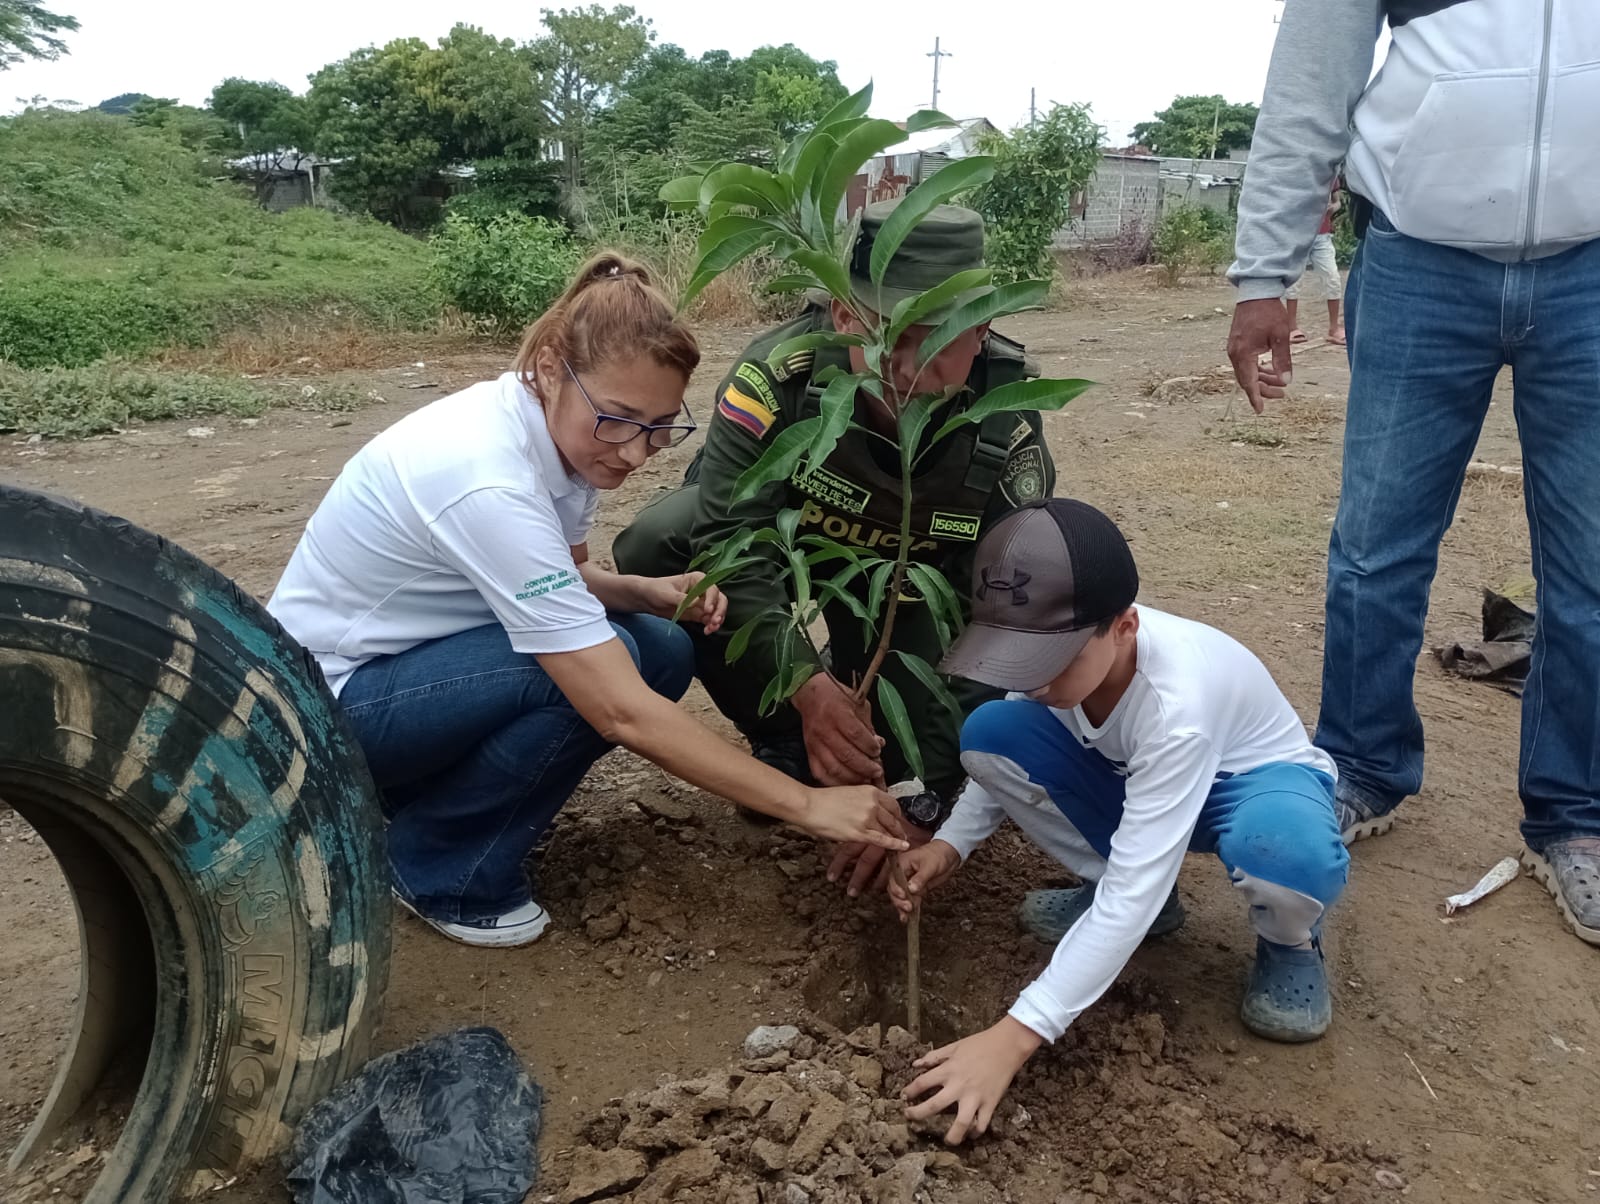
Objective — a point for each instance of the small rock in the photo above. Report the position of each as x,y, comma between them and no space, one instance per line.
784,1117
756,1093
1100,1185
793,1193
767,1040
340,422
944,1160
685,1169
1388,1180
1152,1031
867,1040
900,1185
605,928
663,806
899,1040
599,1173
868,1072
769,1155
614,967
826,1116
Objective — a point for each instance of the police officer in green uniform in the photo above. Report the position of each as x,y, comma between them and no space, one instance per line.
972,479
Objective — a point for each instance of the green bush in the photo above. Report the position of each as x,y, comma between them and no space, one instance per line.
1189,238
116,239
505,272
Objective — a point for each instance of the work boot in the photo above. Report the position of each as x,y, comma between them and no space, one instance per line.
1287,999
1359,815
1047,914
1570,871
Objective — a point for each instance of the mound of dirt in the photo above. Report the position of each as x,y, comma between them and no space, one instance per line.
1111,1114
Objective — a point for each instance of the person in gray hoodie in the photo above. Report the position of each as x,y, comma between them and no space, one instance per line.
1474,160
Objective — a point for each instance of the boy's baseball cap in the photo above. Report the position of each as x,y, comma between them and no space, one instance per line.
1043,579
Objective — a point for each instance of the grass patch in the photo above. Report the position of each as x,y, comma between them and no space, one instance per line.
117,240
73,403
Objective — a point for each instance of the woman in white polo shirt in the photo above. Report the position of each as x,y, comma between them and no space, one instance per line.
445,588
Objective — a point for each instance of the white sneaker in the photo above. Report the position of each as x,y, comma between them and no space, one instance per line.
522,926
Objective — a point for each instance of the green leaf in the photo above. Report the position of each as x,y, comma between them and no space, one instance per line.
913,420
833,591
1007,299
716,577
740,642
796,283
913,309
855,148
810,342
736,182
953,178
800,573
723,550
894,710
830,549
851,107
778,461
788,525
878,587
943,606
754,234
834,275
837,404
1042,395
925,673
682,193
929,119
819,146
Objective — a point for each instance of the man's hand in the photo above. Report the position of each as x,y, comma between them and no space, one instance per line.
871,863
663,596
924,868
840,743
972,1075
1259,327
859,814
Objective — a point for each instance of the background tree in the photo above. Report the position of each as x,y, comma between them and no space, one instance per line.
370,111
271,125
1038,168
1199,127
198,129
585,56
27,31
121,105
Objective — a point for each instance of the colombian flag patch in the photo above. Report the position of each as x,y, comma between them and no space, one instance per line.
746,411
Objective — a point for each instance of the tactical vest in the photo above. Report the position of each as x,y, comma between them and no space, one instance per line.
852,499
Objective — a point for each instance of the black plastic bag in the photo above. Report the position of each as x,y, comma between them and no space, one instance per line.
1502,657
452,1120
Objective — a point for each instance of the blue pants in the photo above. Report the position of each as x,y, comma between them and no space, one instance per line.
1273,828
1429,329
475,750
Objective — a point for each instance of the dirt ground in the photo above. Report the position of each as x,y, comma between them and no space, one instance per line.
1463,1058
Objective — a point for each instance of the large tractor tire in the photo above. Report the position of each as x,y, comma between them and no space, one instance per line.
216,824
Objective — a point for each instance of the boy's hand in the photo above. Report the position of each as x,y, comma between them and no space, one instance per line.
972,1075
924,868
871,864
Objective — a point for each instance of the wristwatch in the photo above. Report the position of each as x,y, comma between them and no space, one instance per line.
925,810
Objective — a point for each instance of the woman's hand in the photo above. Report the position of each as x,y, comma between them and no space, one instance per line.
854,814
663,596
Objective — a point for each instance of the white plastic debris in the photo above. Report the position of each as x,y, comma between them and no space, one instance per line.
1504,871
200,432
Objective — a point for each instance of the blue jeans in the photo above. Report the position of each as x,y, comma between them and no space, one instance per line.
1273,827
1429,328
475,750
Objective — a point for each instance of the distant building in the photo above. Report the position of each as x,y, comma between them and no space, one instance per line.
285,179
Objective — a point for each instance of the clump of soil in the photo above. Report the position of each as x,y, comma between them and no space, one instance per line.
1113,1112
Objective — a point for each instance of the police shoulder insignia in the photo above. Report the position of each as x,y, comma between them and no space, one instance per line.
1017,436
798,364
1022,479
744,410
753,382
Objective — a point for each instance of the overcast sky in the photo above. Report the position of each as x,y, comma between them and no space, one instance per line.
1126,57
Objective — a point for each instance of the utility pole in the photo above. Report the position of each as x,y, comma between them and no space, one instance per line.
1216,119
1033,110
936,54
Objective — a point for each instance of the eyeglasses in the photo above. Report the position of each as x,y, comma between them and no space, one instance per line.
608,428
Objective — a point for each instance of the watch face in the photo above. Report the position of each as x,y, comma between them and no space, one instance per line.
922,808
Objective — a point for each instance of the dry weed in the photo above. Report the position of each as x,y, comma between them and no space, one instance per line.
287,347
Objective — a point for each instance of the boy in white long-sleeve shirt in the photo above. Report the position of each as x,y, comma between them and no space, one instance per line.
1131,737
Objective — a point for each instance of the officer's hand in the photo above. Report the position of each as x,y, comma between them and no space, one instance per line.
840,743
667,595
1260,327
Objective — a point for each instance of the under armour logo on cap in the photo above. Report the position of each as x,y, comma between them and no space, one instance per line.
1019,596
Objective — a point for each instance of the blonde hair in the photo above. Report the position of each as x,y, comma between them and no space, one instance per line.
613,310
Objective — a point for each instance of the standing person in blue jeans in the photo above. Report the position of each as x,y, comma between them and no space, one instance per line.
444,586
1130,738
1475,165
